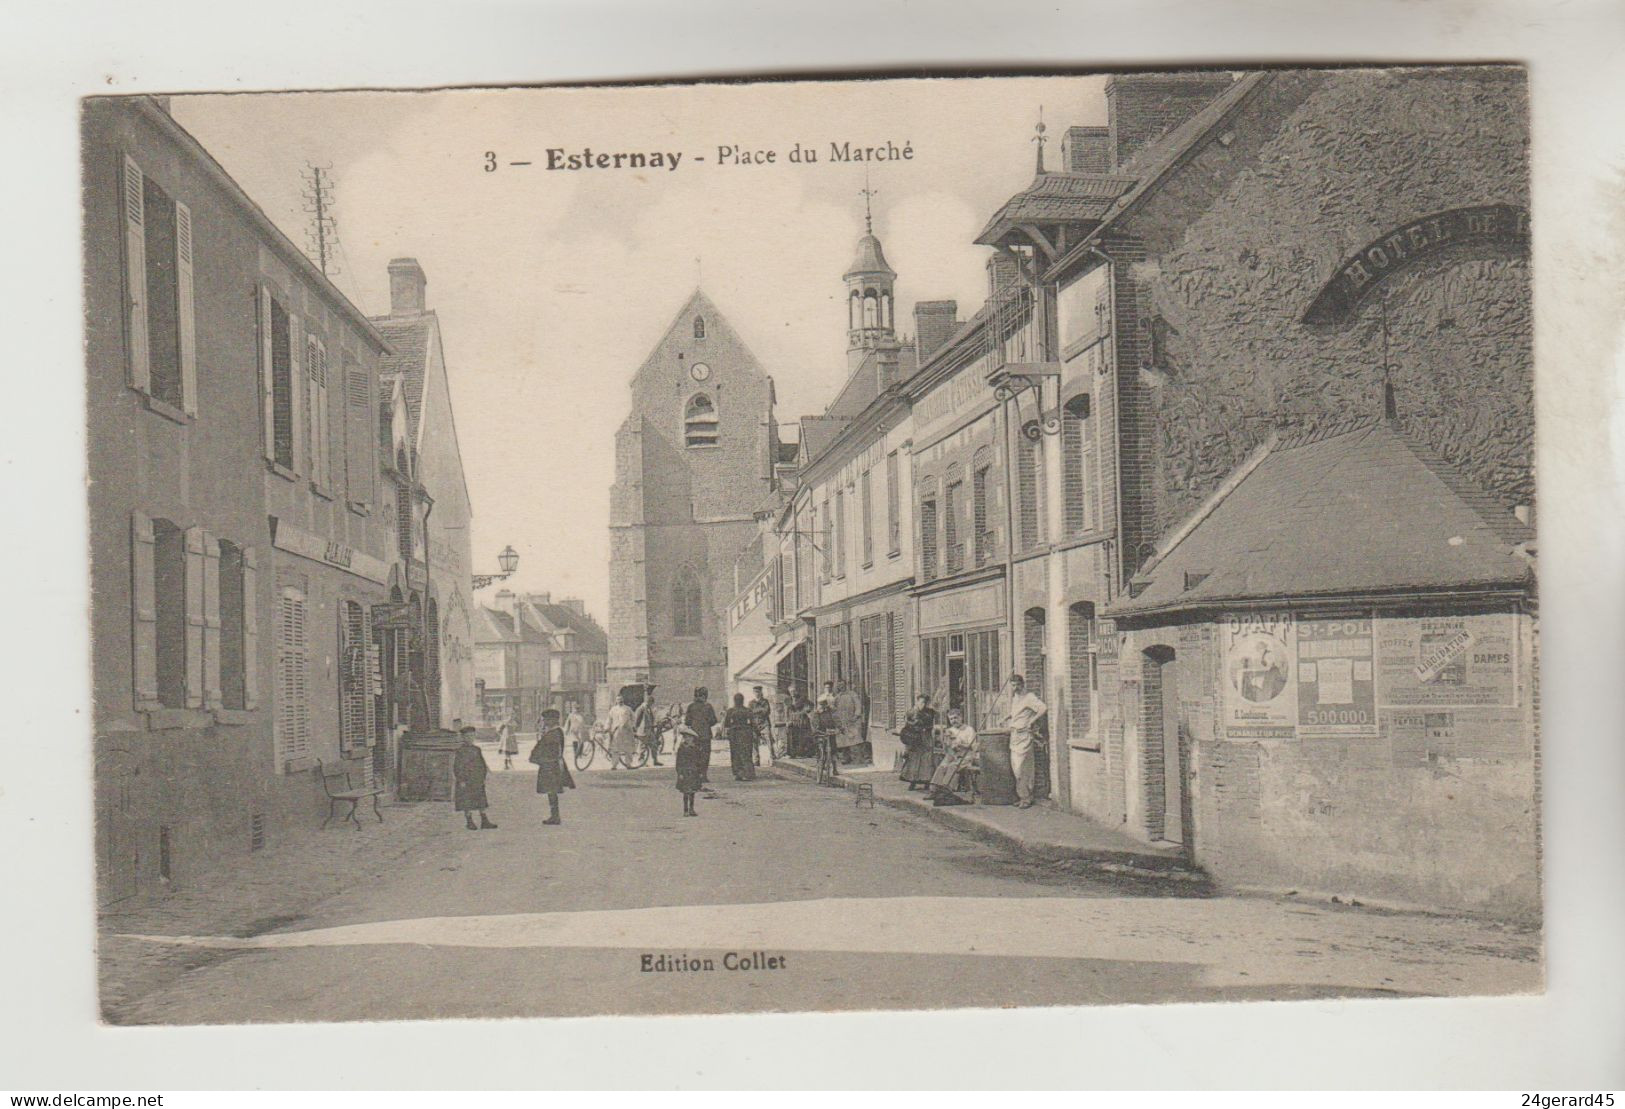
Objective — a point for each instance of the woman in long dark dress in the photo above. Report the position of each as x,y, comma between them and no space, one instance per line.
800,729
916,734
739,725
552,776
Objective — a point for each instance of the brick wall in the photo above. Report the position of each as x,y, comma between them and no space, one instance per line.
1141,107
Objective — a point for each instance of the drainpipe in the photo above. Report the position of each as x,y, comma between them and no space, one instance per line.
428,587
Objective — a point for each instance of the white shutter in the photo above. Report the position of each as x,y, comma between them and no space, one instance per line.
360,459
143,612
194,618
293,686
251,631
267,376
183,291
324,429
211,622
370,684
135,275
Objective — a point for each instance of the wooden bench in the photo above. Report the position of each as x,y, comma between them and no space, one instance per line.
348,793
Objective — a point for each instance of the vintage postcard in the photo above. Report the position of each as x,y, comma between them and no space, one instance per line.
808,546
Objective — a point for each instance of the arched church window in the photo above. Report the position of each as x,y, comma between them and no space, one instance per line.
699,327
686,603
700,425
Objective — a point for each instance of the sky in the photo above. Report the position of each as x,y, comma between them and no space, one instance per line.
552,286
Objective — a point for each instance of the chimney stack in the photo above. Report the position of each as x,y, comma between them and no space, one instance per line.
574,604
406,284
1087,150
1002,273
1143,107
935,322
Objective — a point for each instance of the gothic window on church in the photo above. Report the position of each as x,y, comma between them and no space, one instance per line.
699,327
686,604
700,425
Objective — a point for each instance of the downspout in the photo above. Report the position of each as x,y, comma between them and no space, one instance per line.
1113,578
428,586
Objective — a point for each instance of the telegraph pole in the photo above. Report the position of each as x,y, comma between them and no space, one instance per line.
321,238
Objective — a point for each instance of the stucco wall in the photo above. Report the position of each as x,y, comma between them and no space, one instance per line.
1239,243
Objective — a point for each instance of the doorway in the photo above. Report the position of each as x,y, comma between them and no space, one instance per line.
1165,750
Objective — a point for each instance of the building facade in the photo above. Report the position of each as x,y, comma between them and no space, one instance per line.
693,460
237,547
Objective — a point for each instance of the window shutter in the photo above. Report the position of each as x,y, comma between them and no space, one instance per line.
194,618
359,458
135,275
211,622
267,386
324,432
293,687
251,632
296,386
183,290
143,612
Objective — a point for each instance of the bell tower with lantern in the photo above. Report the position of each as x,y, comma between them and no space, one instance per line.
870,300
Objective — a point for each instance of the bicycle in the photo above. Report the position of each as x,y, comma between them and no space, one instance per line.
598,740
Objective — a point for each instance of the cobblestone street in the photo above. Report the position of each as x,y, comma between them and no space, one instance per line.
865,908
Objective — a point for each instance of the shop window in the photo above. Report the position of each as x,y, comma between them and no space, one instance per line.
701,428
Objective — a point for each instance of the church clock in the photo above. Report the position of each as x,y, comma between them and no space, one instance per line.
700,372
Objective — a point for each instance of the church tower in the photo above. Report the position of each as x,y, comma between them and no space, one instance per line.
693,461
870,307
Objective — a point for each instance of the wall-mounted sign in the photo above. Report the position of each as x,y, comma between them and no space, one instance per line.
286,537
1260,693
1449,660
982,604
1361,272
1337,689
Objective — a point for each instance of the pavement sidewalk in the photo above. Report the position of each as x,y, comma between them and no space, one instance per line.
1041,832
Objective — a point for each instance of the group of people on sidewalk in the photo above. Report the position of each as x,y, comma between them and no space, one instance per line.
961,747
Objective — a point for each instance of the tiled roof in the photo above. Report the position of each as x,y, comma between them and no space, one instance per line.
817,432
1358,509
409,338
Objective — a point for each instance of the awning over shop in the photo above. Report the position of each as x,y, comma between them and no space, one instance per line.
765,666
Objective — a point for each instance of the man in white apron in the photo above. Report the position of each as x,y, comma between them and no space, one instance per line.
1025,709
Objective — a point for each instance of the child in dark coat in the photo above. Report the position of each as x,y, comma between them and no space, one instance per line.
552,776
468,772
689,767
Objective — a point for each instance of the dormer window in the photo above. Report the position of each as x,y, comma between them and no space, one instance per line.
699,327
700,425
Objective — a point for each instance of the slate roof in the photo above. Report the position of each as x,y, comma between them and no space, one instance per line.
501,625
863,385
870,258
817,432
1057,198
408,337
1359,509
589,636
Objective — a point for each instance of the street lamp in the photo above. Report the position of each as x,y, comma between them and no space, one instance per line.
508,560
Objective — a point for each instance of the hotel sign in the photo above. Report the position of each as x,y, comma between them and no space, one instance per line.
752,598
1361,272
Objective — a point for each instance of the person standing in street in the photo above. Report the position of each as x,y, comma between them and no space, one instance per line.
702,718
739,724
917,735
687,758
761,712
799,727
575,727
468,772
643,725
622,743
1025,709
508,741
849,718
552,776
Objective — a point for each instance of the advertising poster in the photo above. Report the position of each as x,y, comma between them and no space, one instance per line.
1260,695
1449,660
1337,688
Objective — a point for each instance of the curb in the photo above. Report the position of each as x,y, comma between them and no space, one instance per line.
1108,861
